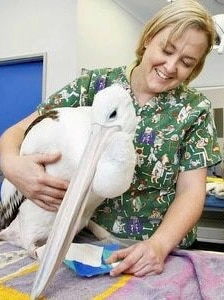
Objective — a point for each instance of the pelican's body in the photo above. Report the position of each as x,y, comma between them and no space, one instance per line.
98,158
68,134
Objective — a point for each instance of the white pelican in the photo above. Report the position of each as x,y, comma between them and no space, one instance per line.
98,158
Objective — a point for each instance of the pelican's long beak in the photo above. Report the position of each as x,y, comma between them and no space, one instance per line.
67,222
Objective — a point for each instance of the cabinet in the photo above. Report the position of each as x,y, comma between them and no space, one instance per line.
211,224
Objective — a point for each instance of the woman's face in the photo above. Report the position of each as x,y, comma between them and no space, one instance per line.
165,66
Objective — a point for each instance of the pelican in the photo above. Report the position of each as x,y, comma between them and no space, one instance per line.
98,158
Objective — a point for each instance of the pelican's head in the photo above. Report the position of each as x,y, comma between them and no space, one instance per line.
113,107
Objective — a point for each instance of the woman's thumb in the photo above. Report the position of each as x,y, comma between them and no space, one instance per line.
47,158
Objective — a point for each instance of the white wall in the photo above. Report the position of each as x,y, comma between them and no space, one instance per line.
212,73
76,34
100,34
37,26
107,35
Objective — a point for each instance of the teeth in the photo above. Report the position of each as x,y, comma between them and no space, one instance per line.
161,74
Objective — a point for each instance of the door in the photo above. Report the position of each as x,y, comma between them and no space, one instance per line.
21,89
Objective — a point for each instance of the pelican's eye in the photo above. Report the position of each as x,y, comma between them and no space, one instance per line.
113,115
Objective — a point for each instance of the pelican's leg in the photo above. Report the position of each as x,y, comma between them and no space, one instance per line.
98,231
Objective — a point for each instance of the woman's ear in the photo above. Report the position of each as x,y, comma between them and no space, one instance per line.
146,43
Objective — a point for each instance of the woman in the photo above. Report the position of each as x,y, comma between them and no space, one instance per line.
175,141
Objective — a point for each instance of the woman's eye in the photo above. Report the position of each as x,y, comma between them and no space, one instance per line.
187,64
167,52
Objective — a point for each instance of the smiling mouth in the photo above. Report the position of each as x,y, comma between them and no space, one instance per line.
162,75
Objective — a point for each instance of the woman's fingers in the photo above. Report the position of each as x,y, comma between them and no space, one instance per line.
128,260
46,158
45,205
140,259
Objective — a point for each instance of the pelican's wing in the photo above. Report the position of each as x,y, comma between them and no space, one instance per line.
11,200
11,197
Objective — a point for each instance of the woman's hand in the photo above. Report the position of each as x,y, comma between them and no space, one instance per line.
147,257
140,259
29,176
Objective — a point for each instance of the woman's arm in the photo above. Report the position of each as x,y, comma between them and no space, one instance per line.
27,172
185,210
147,257
12,138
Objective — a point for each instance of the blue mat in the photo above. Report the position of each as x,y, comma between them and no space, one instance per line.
212,201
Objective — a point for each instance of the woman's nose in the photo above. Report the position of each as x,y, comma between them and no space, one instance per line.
171,65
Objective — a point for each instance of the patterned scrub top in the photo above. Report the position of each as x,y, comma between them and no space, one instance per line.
175,133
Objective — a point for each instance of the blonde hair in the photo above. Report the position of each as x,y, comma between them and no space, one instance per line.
181,15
